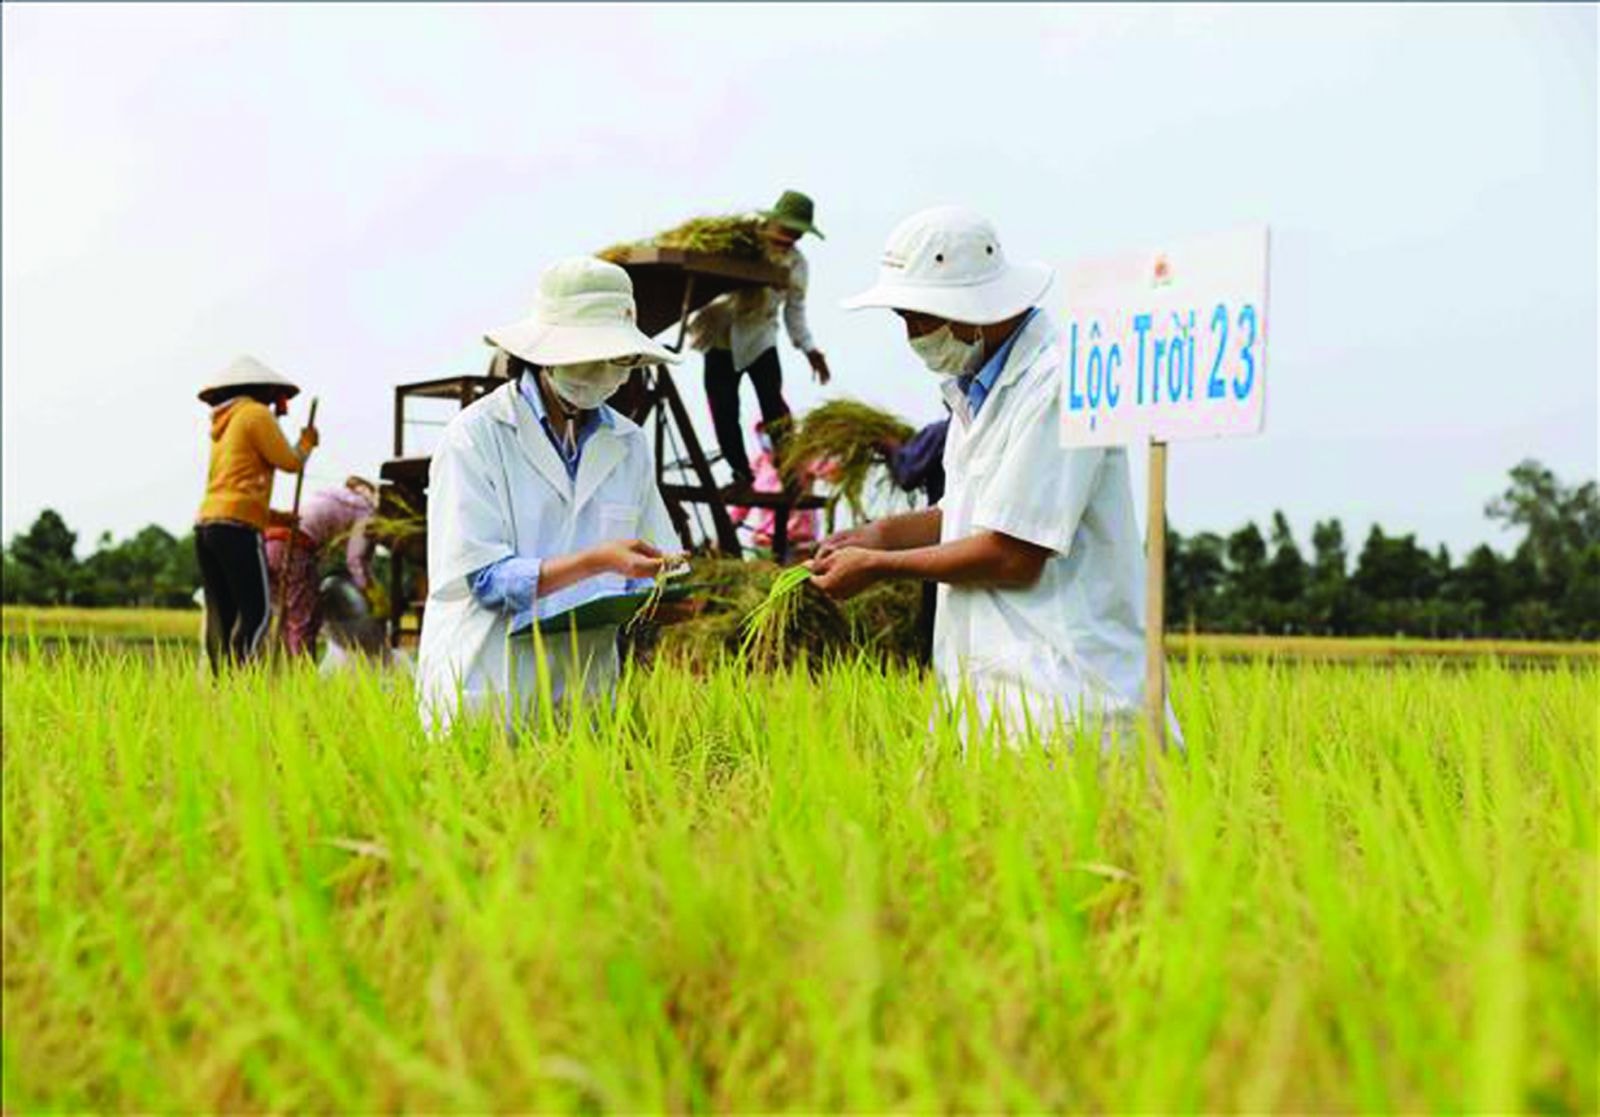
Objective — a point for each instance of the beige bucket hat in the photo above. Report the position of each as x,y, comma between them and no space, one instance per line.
584,311
947,262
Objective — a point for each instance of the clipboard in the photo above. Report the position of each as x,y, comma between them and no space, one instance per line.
601,612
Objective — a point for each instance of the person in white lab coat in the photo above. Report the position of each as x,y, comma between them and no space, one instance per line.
540,498
1040,613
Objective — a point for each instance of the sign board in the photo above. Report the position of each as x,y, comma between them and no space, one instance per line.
1167,344
1160,346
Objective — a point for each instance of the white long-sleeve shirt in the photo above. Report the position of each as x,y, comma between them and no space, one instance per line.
746,321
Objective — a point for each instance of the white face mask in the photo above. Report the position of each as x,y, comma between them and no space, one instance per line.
586,386
943,352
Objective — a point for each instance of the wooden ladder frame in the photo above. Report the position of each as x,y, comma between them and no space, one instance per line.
657,401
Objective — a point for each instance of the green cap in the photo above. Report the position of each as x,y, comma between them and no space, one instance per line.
794,211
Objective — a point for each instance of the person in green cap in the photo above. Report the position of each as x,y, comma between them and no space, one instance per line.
739,335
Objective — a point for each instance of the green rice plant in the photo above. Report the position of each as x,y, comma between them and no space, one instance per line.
794,621
1363,888
847,439
768,623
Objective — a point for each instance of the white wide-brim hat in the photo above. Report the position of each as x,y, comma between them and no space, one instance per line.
947,262
584,311
247,372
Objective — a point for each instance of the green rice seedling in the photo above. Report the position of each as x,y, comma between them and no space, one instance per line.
794,617
766,625
846,437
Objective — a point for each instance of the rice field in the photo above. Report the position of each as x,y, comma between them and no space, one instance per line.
1370,886
122,627
20,622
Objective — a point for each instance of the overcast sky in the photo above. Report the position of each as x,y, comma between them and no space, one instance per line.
353,194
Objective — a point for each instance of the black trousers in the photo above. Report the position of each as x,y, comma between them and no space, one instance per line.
722,393
233,570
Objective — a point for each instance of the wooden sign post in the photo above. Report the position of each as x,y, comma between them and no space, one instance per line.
1161,346
1155,597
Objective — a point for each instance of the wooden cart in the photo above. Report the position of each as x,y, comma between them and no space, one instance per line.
403,495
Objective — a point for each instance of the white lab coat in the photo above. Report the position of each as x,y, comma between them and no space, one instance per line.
497,487
1071,645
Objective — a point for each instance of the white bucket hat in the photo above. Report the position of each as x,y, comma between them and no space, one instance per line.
947,262
584,311
247,372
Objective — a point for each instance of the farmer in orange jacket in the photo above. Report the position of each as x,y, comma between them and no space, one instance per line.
246,448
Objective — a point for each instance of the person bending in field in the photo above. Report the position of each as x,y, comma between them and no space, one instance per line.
1035,549
328,517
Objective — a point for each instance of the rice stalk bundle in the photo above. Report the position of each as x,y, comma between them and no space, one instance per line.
845,438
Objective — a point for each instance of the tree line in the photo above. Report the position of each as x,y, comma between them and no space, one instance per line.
152,568
1548,587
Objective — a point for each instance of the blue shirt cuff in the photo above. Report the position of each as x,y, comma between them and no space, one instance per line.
511,584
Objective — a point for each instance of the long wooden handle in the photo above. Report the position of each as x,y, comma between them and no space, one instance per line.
300,478
294,528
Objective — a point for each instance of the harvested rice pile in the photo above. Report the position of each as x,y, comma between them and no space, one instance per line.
732,235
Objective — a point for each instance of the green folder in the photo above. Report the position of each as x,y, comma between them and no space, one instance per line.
601,612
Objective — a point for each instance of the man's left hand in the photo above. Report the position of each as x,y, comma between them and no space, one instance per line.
846,572
819,366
